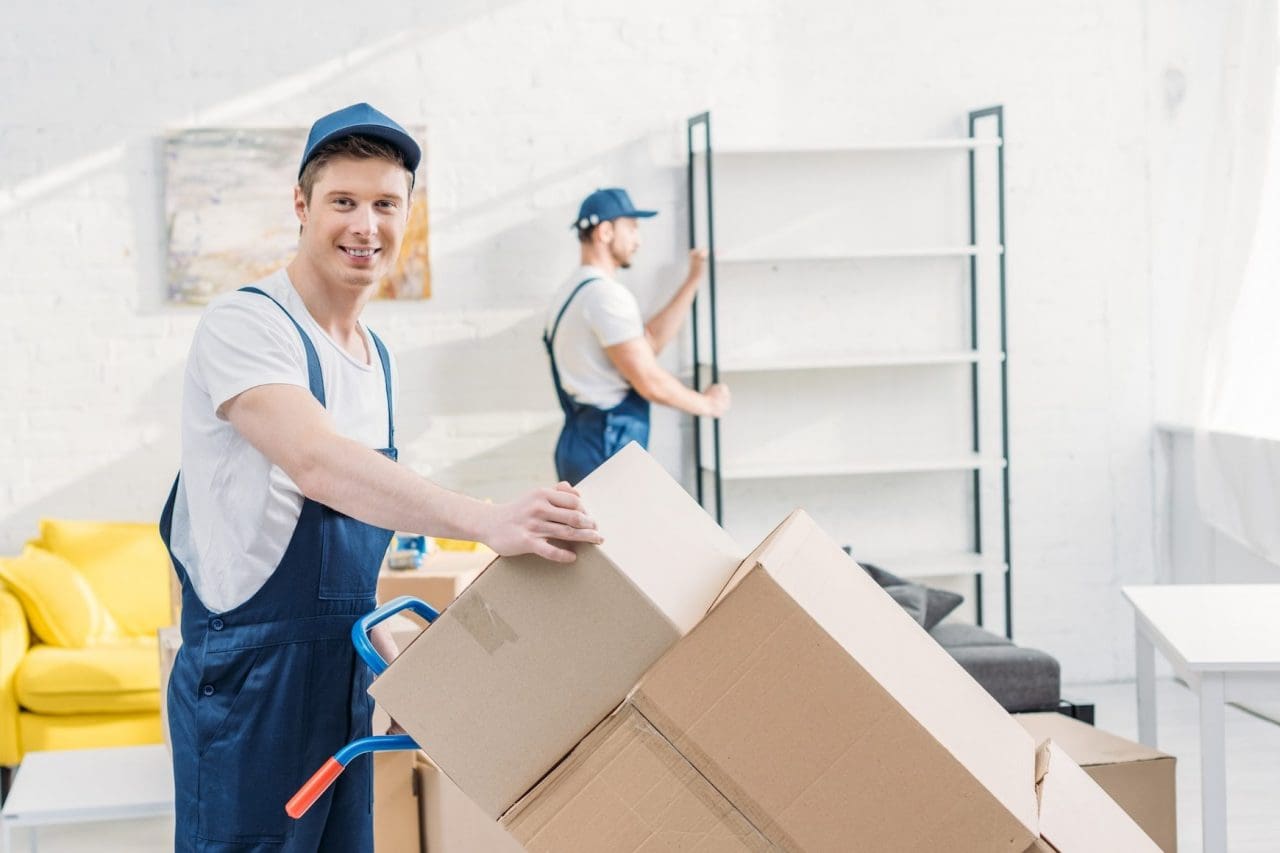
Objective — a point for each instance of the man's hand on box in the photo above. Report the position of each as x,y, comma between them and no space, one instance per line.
545,522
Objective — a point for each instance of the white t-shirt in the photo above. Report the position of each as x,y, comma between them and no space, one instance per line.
235,512
604,314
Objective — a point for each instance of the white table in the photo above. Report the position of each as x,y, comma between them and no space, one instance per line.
80,785
1219,638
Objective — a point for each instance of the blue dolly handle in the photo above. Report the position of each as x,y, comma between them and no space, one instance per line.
331,769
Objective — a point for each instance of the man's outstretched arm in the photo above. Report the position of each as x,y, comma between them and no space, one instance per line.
288,426
637,363
663,326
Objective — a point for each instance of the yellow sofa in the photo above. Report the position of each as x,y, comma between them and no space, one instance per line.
79,660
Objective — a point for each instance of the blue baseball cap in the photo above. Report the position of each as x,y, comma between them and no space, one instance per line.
603,205
361,120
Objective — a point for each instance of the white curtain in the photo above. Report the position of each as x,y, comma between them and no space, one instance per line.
1237,437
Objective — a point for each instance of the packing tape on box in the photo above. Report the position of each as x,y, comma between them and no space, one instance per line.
482,622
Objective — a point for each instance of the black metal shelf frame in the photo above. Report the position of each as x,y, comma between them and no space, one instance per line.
700,125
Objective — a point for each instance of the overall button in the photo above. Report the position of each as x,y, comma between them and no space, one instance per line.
207,690
217,624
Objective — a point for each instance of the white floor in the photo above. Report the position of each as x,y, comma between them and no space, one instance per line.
1253,778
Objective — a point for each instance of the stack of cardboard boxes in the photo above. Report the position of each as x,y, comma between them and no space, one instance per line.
663,693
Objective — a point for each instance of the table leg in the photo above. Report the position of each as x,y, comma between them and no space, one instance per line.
1145,656
1213,762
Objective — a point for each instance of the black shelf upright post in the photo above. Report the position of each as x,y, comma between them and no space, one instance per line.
704,120
996,112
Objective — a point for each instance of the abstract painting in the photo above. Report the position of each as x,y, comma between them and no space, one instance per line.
229,212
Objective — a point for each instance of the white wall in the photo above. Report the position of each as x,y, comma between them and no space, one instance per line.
529,105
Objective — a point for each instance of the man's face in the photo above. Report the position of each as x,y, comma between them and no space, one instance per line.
354,223
625,240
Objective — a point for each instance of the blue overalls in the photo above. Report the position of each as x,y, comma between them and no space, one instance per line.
264,693
592,435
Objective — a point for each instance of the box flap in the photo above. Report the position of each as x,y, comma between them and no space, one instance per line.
1077,816
1087,745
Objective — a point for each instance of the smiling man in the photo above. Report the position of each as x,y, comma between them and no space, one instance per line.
285,504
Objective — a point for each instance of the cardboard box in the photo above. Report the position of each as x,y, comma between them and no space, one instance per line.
625,789
1140,779
395,803
534,654
450,822
442,577
1076,815
829,717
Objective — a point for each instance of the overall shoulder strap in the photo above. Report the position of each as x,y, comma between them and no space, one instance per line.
315,379
385,358
555,327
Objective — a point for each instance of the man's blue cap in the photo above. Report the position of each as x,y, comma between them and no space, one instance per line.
361,120
603,205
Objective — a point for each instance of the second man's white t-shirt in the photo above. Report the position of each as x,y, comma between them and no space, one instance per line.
604,314
235,512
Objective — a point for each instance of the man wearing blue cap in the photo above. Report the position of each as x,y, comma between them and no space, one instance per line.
285,504
604,356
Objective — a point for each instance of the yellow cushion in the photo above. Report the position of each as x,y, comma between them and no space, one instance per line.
126,563
86,731
109,678
457,544
60,605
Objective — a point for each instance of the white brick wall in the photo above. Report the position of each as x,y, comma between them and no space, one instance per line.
530,105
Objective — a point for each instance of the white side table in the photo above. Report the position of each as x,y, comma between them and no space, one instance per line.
1216,636
80,785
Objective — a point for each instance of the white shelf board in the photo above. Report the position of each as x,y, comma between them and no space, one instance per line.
935,565
746,257
776,470
769,365
887,146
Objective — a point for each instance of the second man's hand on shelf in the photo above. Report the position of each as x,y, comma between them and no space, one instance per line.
697,260
545,522
717,397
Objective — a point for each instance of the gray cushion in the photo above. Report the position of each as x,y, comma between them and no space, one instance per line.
913,598
940,601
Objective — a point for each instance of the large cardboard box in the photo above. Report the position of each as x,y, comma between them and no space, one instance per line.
1076,815
533,654
625,789
451,822
441,578
395,803
1140,779
829,717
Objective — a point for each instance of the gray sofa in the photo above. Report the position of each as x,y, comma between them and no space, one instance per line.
1020,679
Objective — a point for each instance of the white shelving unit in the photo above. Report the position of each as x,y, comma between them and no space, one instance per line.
962,143
763,364
856,307
851,469
862,254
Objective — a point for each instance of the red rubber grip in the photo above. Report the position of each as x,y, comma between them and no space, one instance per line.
314,787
